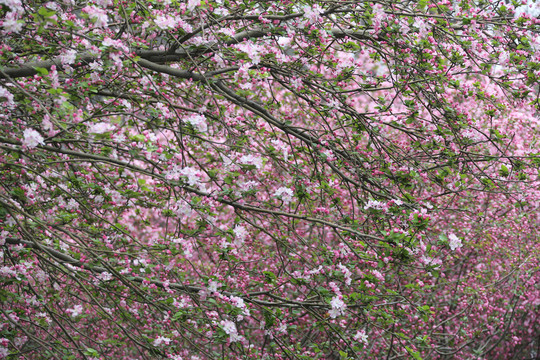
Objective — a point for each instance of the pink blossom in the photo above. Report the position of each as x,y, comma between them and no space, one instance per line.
68,57
161,340
378,16
472,134
4,93
117,44
165,22
312,13
3,236
378,275
97,15
346,272
4,352
100,128
11,23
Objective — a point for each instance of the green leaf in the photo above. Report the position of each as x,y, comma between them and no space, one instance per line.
91,352
414,354
270,276
422,4
180,315
46,13
41,71
139,138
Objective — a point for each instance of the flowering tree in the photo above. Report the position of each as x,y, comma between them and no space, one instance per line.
218,179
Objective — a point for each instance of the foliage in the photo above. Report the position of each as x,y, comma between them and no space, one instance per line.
224,179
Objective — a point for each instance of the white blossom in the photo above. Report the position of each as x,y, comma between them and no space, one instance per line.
212,286
3,236
239,303
454,242
68,57
198,122
230,329
240,234
374,204
285,193
100,128
252,160
338,307
191,174
378,275
76,311
192,4
361,336
160,340
105,276
31,138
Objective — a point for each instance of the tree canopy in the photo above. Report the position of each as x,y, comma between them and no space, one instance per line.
219,179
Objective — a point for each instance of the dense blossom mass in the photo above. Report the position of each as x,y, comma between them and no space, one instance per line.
227,179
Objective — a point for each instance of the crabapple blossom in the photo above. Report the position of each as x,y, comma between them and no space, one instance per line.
198,122
75,311
68,57
32,138
454,242
100,128
192,4
338,307
240,235
11,23
97,15
281,179
230,329
285,194
161,340
165,22
361,336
